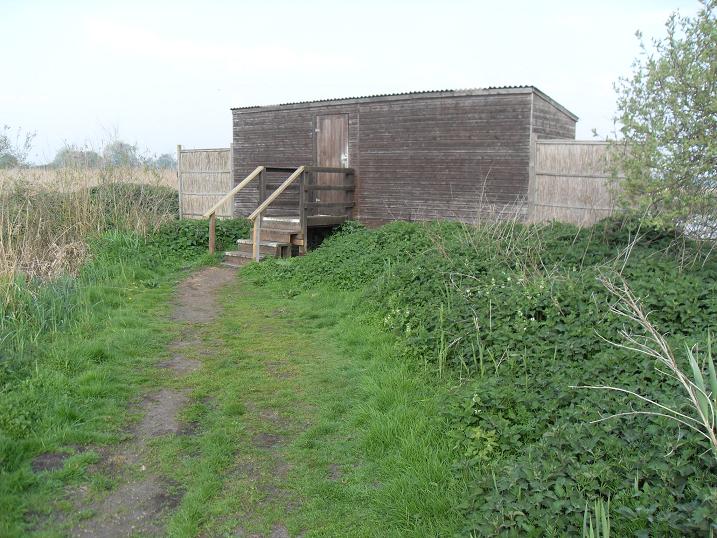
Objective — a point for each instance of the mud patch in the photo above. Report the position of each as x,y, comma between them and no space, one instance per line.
161,413
277,531
137,508
49,461
196,300
335,473
267,440
181,365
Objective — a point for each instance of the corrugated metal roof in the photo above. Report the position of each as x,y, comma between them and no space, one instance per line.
456,92
376,95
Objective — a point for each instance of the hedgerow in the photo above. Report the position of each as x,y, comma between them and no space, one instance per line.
519,315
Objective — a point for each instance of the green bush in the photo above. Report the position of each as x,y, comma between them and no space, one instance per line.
189,237
519,312
141,197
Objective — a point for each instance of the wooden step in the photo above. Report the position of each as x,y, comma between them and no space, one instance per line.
268,248
281,223
235,258
280,236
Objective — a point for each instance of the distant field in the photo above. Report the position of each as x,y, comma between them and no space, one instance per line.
69,179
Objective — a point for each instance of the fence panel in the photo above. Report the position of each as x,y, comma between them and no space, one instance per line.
571,182
205,175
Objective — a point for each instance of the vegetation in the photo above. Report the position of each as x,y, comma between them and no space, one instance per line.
114,154
519,316
362,447
75,348
667,112
13,153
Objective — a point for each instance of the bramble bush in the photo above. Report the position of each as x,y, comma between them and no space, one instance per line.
519,315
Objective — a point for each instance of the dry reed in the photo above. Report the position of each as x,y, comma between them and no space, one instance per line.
48,215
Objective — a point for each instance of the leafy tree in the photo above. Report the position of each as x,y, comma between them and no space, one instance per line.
14,153
166,160
668,112
74,157
120,153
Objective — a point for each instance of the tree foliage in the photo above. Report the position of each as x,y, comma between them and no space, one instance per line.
119,153
13,153
668,112
76,157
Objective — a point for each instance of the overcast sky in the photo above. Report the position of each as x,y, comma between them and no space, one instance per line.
165,73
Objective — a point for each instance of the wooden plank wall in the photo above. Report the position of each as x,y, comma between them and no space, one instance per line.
457,158
572,183
549,121
451,157
280,138
204,176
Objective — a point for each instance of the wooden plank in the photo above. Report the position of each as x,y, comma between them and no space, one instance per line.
302,214
329,204
331,169
330,188
179,177
212,232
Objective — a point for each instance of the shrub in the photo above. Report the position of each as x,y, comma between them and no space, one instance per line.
189,237
518,313
667,113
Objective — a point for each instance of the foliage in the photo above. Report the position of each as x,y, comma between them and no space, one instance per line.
44,230
119,153
73,351
668,111
13,153
70,156
165,160
519,315
121,197
601,526
185,237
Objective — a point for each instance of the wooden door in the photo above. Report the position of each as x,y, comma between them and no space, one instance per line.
332,149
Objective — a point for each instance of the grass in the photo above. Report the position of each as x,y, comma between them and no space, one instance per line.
68,392
307,417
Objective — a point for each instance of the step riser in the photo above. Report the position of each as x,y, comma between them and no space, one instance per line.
280,236
267,250
236,256
284,225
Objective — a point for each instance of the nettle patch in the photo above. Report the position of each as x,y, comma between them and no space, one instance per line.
189,237
520,315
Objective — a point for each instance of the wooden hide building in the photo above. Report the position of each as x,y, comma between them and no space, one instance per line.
415,156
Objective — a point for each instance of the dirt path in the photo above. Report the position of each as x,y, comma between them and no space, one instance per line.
143,500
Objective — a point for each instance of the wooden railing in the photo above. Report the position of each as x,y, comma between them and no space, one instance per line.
255,217
212,213
303,175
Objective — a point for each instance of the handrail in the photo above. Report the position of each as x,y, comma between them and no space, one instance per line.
274,195
248,179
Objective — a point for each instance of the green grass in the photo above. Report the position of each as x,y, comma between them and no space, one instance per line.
67,388
362,450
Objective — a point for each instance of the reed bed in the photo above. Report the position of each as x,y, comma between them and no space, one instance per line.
47,216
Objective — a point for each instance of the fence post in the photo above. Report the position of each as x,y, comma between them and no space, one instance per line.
212,232
532,187
179,179
231,178
256,248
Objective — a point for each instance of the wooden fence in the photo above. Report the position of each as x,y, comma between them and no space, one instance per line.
570,181
204,177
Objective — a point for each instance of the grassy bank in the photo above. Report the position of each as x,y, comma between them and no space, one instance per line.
516,316
356,442
76,349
